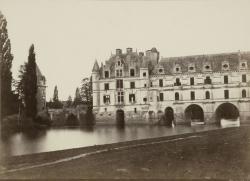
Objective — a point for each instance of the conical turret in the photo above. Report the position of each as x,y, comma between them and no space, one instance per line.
96,67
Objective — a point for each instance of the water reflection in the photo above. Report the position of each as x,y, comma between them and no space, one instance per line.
74,137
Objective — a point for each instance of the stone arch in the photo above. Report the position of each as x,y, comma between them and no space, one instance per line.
169,116
194,114
120,118
227,111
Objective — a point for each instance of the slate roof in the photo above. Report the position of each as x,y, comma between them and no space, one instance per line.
133,59
215,60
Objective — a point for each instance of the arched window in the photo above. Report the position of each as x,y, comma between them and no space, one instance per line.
244,93
177,97
207,95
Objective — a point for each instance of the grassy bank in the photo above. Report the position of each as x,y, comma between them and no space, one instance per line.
212,154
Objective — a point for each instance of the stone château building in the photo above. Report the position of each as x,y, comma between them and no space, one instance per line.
199,88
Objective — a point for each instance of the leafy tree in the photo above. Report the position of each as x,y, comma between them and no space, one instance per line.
30,85
86,91
7,96
78,98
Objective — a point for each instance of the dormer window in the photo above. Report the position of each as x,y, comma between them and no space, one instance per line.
207,67
160,70
191,67
243,65
106,74
225,65
177,68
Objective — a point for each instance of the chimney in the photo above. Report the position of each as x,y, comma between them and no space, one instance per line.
118,51
129,50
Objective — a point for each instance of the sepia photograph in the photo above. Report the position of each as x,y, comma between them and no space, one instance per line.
124,90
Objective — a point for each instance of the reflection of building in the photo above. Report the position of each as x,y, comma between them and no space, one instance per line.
191,88
41,90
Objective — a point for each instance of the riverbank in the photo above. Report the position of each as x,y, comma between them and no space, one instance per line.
223,153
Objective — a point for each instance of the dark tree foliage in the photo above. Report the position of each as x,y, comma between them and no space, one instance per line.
69,102
55,96
30,85
8,98
78,98
56,103
86,91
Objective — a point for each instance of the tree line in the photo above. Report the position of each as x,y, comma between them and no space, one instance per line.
83,95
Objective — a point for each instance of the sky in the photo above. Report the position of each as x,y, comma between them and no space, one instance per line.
70,34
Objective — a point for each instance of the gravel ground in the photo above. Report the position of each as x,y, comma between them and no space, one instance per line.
220,154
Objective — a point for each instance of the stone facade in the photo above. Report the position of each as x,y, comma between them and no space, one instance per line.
146,88
41,91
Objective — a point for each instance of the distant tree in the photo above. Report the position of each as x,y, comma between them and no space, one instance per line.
86,91
55,96
69,102
30,85
56,104
78,98
7,96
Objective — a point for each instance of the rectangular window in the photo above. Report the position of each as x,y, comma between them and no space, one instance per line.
192,95
135,110
244,78
192,81
145,85
132,85
106,99
178,82
161,83
131,98
119,84
106,74
161,97
144,74
207,80
120,97
145,99
226,94
132,72
119,73
106,86
225,79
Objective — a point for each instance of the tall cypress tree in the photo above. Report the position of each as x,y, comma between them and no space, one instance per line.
6,74
30,85
55,96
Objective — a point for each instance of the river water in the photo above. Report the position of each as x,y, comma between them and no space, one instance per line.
65,138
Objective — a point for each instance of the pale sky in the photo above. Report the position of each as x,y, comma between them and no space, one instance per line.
70,34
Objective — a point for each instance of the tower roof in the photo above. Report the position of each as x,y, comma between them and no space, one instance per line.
95,67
